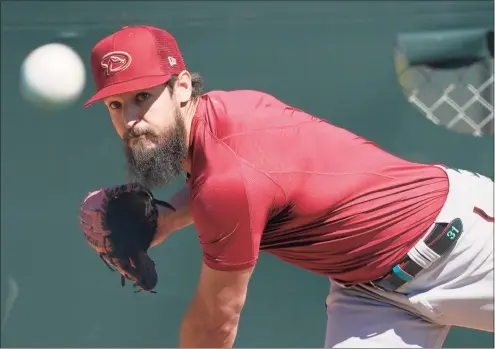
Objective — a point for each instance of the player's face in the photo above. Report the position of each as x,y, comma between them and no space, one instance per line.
152,127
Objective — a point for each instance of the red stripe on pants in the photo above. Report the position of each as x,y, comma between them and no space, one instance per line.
483,214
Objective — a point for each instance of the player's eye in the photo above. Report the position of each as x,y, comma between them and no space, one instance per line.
114,105
142,96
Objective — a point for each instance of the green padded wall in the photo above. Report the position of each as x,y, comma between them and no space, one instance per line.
332,59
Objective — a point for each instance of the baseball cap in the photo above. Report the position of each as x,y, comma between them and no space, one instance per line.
134,58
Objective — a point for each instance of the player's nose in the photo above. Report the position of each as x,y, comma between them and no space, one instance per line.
132,114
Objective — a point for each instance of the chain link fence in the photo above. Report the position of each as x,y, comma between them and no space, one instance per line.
457,94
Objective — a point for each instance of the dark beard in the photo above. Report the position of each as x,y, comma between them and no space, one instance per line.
157,166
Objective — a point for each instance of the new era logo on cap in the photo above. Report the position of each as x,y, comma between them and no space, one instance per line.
134,58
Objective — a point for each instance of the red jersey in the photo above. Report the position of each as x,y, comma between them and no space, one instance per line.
267,176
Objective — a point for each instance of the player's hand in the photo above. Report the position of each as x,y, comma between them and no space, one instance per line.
119,223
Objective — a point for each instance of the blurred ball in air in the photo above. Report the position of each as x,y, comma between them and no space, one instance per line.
52,76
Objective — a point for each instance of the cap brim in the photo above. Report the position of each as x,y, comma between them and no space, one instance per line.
128,86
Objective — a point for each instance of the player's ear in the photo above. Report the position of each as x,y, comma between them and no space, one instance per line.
183,87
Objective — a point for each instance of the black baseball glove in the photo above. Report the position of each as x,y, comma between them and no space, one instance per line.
120,223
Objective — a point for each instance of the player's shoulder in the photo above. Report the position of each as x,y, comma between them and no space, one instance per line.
239,99
236,111
217,183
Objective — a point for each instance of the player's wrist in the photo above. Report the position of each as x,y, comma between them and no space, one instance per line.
166,224
170,221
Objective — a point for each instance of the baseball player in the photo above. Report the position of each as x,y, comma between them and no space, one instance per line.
407,247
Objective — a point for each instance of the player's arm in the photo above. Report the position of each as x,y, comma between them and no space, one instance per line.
170,221
212,318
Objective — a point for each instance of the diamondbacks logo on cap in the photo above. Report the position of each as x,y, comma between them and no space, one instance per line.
115,62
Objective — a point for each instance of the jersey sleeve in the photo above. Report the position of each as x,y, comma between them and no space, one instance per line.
229,231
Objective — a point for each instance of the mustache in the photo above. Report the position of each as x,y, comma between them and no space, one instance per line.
136,132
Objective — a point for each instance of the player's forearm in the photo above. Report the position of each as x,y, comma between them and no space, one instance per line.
197,337
169,221
198,330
